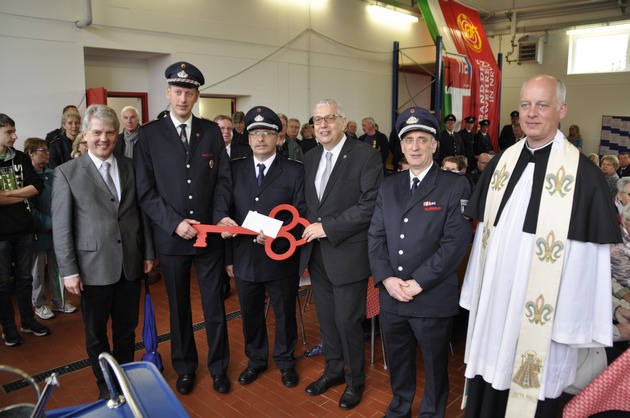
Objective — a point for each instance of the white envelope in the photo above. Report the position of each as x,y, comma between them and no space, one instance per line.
257,222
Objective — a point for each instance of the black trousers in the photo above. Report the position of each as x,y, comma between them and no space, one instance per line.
18,250
176,271
120,302
402,334
340,311
486,402
282,294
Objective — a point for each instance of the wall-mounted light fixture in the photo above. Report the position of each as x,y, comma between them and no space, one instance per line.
390,13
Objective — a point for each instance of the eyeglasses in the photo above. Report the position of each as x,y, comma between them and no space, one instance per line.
317,120
42,149
263,134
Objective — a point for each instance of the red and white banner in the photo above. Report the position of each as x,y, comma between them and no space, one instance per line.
462,33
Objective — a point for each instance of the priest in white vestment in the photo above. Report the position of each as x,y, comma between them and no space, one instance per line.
504,276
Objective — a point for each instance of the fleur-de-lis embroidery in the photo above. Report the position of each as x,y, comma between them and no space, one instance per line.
549,249
538,312
560,182
485,236
499,178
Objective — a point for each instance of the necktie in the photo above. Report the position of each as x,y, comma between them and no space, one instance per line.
261,173
109,181
183,136
415,184
326,175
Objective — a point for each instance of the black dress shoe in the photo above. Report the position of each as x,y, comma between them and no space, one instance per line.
221,383
351,397
249,375
185,383
322,384
289,377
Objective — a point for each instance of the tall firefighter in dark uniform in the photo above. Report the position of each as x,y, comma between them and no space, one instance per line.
183,178
262,182
417,238
467,136
450,142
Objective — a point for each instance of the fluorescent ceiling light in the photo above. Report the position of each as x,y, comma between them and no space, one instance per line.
391,14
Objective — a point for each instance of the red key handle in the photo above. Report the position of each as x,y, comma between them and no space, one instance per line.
204,229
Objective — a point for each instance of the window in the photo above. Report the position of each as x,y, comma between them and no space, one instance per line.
599,50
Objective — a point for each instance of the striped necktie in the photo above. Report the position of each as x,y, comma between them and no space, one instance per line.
109,181
183,136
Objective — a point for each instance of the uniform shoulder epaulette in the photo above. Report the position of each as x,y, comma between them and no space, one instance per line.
237,159
295,161
152,121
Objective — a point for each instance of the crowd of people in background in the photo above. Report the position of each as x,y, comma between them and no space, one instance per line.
396,209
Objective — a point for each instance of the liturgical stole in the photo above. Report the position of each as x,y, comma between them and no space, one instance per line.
552,229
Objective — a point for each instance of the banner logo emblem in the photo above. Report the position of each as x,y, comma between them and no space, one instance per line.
470,32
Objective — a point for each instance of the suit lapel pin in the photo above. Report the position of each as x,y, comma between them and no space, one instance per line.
211,164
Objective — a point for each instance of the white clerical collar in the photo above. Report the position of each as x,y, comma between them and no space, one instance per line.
557,142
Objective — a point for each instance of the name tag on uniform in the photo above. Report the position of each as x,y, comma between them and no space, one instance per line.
431,205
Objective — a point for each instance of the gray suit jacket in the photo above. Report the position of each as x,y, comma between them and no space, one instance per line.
93,236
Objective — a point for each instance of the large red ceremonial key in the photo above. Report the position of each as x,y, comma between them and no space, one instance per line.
204,229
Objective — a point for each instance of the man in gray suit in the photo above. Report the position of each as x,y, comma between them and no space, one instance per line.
102,239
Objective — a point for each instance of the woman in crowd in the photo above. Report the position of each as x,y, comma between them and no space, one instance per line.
61,146
620,253
79,146
44,262
308,141
574,136
609,167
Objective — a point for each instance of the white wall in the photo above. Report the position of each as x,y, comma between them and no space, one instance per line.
589,96
283,54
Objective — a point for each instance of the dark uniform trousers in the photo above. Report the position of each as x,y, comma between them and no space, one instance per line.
176,270
282,295
340,311
433,335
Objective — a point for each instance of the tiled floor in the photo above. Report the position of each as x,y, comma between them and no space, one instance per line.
264,398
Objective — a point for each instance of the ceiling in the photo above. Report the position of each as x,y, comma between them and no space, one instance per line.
529,16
